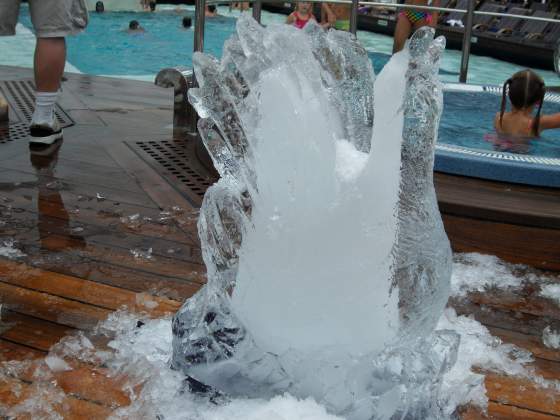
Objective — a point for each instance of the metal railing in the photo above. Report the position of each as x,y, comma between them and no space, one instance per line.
467,34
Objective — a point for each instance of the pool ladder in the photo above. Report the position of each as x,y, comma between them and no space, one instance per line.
181,79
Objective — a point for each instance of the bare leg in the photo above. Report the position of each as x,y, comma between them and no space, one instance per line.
50,57
3,109
402,31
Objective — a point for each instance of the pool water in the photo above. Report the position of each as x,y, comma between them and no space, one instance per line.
106,49
468,121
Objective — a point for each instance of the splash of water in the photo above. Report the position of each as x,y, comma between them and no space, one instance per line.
327,262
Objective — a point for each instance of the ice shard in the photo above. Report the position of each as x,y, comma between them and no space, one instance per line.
327,261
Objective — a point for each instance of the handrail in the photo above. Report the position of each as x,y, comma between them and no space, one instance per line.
406,6
200,7
466,47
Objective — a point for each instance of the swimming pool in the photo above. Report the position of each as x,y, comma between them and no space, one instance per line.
468,146
464,147
106,49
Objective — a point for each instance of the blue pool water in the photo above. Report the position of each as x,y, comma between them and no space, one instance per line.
468,121
107,49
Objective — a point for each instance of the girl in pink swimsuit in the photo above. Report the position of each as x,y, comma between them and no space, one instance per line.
301,15
525,90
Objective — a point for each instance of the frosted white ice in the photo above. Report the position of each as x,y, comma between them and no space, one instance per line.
551,338
9,250
478,348
295,265
552,292
350,162
56,364
474,272
142,353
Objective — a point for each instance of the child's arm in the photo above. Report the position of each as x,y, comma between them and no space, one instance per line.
435,15
549,121
290,19
328,18
497,122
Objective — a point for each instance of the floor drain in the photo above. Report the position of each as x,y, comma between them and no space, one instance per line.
12,132
21,96
176,161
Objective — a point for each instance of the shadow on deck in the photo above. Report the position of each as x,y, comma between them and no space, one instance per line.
107,219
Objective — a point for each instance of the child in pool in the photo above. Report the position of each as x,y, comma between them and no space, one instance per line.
409,20
525,90
301,15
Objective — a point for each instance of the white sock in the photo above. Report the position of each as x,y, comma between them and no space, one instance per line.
44,107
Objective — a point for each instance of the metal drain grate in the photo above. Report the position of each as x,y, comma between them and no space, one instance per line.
12,132
177,162
21,96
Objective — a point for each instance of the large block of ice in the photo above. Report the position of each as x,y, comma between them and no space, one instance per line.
328,266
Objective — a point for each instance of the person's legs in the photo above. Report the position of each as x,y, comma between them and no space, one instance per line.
402,31
53,20
50,58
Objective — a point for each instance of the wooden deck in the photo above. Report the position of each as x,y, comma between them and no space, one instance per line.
70,214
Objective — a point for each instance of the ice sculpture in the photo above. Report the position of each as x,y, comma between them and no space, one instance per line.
327,261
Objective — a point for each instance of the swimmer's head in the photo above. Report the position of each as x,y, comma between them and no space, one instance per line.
153,6
187,22
99,7
303,7
133,25
525,89
212,8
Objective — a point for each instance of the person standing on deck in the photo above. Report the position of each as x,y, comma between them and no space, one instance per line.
336,15
409,20
53,20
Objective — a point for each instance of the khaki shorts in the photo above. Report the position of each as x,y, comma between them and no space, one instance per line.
51,18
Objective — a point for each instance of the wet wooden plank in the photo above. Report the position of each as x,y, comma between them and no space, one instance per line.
83,291
76,209
517,300
14,179
510,320
497,411
522,393
498,201
117,235
549,370
158,265
77,249
51,308
101,265
10,351
95,385
33,333
531,343
14,391
509,242
116,276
